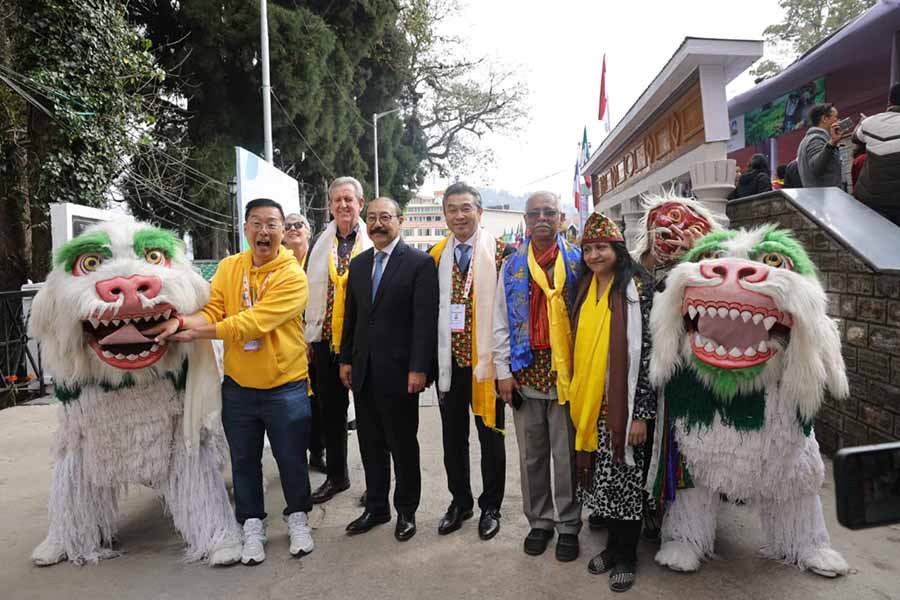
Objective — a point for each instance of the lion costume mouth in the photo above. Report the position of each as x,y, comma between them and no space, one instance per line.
118,339
734,333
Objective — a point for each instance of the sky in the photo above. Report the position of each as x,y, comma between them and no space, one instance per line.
557,48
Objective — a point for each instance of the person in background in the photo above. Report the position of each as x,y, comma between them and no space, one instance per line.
610,317
792,175
326,265
387,358
879,181
532,358
296,235
755,180
296,239
859,160
778,182
818,157
256,307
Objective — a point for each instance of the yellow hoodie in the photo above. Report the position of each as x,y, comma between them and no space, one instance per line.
275,320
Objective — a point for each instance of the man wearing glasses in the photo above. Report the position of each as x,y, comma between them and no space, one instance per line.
326,266
532,336
256,304
387,354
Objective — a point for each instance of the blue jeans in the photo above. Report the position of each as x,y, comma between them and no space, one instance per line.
284,413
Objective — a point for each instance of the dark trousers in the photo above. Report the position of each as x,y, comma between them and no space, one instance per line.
623,540
316,435
283,413
387,428
333,399
455,427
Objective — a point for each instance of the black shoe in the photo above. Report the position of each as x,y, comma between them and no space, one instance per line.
317,463
567,547
365,522
362,499
536,541
406,527
488,524
596,522
453,519
327,491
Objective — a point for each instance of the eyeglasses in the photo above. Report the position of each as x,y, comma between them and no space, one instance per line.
298,226
537,213
466,209
270,227
380,218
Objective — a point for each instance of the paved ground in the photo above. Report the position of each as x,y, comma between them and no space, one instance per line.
375,566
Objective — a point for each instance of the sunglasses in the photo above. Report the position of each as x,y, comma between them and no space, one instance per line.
298,226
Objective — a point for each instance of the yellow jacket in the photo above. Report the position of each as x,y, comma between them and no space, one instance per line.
275,319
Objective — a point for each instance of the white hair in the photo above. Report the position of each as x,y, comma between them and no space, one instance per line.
346,180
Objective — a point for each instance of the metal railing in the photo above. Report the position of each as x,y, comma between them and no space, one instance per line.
21,372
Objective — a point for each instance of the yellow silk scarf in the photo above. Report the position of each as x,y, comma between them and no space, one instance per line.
560,328
340,292
590,360
484,399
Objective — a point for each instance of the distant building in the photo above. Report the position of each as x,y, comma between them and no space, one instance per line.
423,221
424,225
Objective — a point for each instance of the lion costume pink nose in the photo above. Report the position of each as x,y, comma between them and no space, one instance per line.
732,270
129,288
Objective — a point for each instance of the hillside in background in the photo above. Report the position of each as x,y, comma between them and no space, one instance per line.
491,198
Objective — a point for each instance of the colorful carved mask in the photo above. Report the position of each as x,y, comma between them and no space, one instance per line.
667,225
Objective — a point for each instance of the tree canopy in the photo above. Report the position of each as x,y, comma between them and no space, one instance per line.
805,24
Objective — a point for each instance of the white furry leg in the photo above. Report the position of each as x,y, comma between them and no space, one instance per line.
689,529
796,534
82,516
196,496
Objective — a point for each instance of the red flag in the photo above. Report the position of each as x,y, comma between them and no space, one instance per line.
603,100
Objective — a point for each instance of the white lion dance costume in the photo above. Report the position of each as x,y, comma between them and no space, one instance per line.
133,412
742,354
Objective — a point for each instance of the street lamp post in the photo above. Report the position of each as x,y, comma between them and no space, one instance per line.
266,84
375,117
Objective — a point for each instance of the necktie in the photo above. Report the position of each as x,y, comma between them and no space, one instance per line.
379,271
462,256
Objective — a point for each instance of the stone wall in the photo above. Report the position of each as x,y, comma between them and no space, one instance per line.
866,306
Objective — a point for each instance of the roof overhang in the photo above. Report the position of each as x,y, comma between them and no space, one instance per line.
735,56
864,41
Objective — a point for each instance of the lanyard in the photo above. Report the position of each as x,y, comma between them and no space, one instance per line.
469,277
248,302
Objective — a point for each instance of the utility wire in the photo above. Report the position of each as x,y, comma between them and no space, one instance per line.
300,133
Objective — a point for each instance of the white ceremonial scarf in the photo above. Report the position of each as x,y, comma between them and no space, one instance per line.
202,392
317,277
484,287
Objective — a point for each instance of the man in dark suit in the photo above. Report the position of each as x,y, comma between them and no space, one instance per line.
387,354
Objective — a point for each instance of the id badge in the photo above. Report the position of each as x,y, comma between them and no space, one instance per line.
251,346
457,318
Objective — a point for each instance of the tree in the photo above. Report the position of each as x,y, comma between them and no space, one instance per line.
331,67
75,86
456,99
805,24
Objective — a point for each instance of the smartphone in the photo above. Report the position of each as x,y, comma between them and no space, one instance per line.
867,485
845,125
517,399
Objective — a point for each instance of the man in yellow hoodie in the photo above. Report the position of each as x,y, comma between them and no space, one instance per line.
256,306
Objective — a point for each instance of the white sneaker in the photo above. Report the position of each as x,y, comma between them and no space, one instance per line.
254,542
301,534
